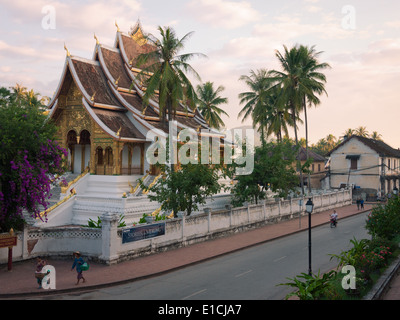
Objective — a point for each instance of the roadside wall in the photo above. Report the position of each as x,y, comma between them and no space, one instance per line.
105,244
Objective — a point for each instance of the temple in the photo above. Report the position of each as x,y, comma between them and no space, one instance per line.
99,110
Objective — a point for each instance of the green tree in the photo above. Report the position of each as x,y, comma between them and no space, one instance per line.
262,105
167,69
208,103
376,136
331,141
254,99
186,187
272,117
273,169
300,82
361,131
349,132
384,220
29,158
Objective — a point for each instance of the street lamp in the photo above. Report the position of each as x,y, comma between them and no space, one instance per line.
395,191
309,209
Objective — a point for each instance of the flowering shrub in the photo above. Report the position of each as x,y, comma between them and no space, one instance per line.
30,161
30,180
384,220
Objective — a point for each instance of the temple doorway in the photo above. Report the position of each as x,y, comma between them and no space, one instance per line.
78,151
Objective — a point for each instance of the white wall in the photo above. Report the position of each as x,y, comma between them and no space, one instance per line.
106,244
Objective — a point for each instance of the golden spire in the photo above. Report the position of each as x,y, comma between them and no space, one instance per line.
97,40
68,54
117,26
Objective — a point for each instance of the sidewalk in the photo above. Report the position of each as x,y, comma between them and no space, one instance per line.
20,282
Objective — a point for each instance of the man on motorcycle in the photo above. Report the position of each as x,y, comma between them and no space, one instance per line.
334,217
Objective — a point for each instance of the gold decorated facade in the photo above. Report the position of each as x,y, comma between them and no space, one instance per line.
99,112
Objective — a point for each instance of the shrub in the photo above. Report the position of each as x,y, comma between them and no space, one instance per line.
311,287
351,256
384,220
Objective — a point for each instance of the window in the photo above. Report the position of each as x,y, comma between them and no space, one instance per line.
353,164
353,161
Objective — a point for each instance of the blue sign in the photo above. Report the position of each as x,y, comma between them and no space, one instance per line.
143,232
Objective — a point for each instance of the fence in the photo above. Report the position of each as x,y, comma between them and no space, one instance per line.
105,244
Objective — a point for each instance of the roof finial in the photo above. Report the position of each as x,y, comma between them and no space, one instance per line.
68,54
92,98
119,131
116,81
97,40
117,26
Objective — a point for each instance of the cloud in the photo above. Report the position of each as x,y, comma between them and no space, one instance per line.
223,13
393,24
75,15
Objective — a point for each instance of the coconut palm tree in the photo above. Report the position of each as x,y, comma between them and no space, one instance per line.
376,136
272,117
208,100
19,92
254,99
362,131
349,132
313,84
165,73
331,141
301,83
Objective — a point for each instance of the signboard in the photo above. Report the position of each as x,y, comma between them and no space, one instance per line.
143,232
7,240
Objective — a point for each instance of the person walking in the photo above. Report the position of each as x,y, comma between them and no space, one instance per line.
40,263
78,262
362,203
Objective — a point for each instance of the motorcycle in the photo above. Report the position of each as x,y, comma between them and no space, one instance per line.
333,223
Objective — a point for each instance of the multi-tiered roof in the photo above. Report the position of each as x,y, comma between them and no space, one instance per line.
112,93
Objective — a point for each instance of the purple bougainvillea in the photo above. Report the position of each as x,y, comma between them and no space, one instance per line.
32,178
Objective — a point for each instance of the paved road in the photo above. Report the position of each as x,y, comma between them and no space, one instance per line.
248,274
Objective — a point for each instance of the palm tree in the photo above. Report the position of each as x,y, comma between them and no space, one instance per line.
362,131
167,69
376,136
272,117
331,141
313,83
349,132
208,102
19,92
301,82
254,99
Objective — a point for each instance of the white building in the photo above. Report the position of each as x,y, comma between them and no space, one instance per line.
364,163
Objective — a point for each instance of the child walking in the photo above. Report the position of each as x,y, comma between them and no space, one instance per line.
77,263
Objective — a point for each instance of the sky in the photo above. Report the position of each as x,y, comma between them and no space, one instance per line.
360,39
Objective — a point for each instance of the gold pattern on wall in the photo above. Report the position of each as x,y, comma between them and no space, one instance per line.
139,37
74,95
